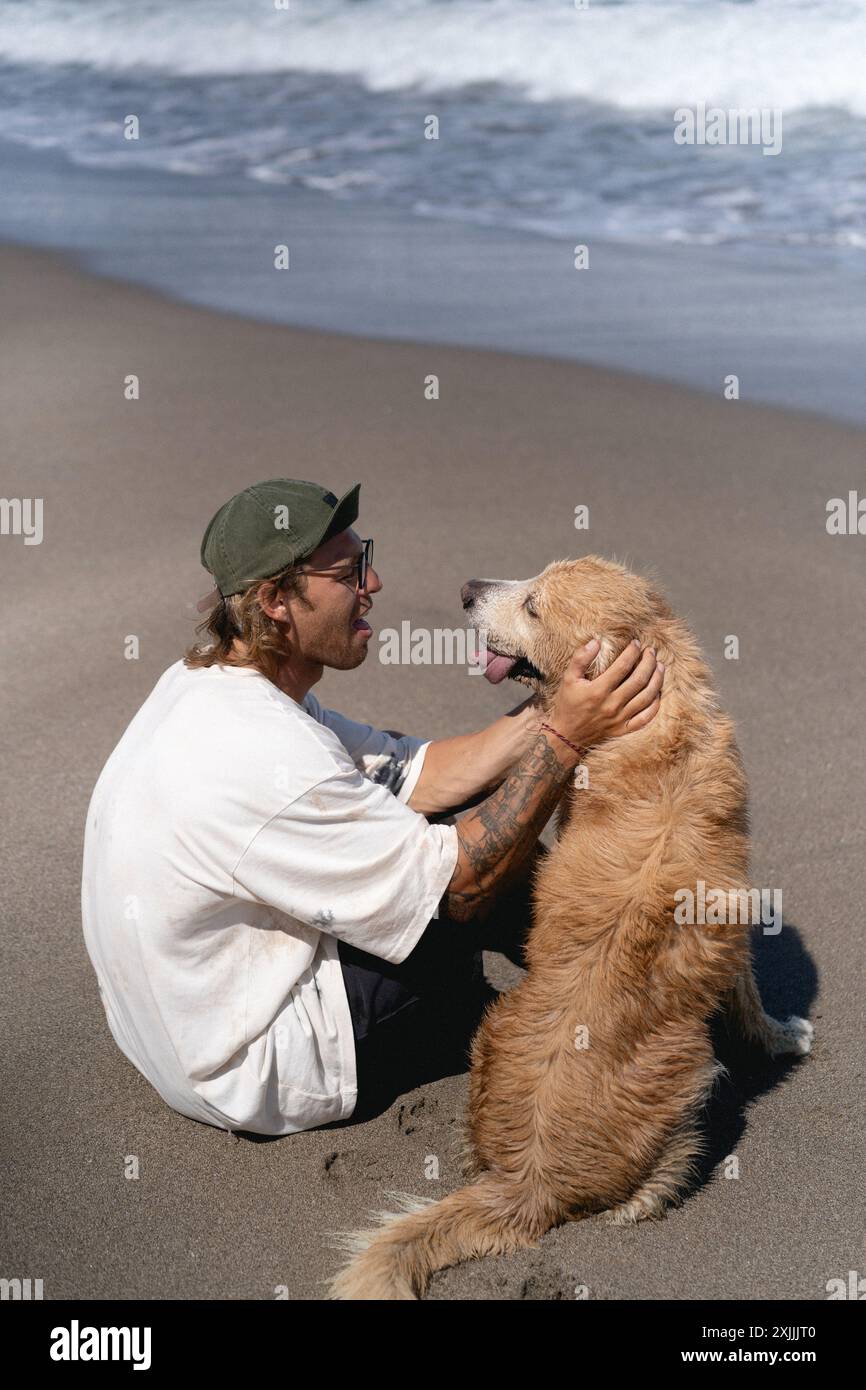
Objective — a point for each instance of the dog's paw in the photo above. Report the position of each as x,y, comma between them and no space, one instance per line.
794,1036
644,1206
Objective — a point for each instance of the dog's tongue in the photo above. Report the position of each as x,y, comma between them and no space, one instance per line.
497,667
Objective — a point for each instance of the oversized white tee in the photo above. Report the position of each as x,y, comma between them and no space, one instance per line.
233,837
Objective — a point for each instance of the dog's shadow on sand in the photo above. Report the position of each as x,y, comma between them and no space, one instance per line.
787,980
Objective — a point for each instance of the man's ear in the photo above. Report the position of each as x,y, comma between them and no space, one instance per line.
271,601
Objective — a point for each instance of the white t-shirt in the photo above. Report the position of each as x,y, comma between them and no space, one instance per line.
232,838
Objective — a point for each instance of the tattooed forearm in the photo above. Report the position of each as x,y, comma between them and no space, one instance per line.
496,837
518,809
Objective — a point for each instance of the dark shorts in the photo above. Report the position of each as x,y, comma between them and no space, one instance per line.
445,962
414,1022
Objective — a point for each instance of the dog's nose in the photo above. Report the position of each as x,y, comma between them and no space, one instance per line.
470,591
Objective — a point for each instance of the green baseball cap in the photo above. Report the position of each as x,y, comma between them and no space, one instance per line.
270,525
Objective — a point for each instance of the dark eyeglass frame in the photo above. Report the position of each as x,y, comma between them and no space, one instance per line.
359,567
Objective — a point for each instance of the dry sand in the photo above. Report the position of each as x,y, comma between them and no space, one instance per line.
725,501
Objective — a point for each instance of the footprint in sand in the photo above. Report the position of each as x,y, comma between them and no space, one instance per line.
347,1165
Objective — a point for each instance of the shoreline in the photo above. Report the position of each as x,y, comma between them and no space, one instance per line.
781,322
80,263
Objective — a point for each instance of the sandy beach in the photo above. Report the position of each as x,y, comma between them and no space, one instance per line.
724,501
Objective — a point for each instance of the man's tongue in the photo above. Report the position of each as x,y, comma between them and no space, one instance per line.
497,667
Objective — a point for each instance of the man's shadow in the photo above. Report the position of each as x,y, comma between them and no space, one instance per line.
400,1055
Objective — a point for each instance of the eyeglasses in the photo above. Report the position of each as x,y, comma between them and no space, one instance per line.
357,570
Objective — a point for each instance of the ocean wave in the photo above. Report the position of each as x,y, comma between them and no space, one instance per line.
346,119
638,55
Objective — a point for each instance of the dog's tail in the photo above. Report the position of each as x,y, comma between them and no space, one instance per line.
395,1261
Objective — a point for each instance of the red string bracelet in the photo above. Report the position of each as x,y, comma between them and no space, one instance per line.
581,752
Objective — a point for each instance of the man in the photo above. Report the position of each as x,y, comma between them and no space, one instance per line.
263,892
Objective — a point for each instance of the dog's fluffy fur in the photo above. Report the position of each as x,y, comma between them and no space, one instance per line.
588,1078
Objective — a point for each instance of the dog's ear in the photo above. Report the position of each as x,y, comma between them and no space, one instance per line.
605,656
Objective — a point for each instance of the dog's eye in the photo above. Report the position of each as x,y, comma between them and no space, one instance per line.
529,606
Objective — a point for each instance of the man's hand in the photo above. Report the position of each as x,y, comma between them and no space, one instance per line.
457,771
623,699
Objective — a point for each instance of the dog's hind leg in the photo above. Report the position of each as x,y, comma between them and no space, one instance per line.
673,1172
775,1037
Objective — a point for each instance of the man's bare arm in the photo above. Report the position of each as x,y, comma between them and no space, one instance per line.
458,769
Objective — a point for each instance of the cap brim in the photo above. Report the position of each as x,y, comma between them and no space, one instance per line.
342,517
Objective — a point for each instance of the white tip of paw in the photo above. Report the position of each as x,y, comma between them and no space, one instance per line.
793,1036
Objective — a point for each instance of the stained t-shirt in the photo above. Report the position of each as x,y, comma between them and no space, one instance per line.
233,837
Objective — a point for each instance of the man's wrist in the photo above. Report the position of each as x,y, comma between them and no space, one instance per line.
565,748
528,717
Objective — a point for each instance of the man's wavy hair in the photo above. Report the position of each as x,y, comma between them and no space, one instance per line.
242,617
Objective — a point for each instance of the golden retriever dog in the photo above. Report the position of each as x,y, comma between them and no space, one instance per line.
588,1078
